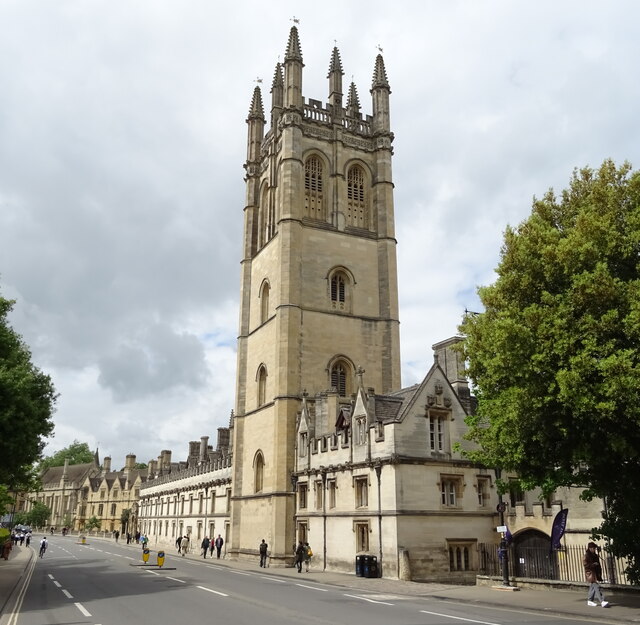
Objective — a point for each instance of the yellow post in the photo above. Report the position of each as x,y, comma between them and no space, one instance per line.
160,558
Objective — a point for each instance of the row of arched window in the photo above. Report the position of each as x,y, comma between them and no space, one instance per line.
341,375
356,208
358,214
339,296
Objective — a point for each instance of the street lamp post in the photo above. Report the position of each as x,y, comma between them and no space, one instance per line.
294,484
503,551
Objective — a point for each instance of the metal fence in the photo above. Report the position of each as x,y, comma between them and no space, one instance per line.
540,563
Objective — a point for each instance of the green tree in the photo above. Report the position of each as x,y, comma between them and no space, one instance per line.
38,515
554,357
124,519
76,453
28,402
93,523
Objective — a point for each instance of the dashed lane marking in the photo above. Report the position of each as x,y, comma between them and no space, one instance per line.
459,618
213,591
312,587
175,579
67,594
82,609
368,600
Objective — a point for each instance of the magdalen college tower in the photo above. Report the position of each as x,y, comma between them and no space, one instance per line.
319,296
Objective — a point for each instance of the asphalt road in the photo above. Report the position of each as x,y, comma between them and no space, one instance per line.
104,584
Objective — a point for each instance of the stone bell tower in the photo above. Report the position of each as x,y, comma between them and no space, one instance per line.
319,294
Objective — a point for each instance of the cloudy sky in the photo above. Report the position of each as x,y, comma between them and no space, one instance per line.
122,140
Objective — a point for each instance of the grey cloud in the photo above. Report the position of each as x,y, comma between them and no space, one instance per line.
155,362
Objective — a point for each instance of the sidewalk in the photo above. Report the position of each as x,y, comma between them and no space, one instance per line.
11,572
624,608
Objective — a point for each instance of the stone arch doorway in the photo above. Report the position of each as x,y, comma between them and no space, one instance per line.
533,556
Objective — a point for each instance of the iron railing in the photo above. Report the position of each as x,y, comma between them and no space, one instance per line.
541,563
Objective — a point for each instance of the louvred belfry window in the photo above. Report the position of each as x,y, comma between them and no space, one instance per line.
313,188
357,209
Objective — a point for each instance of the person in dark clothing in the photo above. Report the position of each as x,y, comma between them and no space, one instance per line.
301,551
178,541
593,573
219,542
205,546
263,554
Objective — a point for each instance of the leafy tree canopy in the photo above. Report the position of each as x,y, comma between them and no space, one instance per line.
38,515
93,523
27,402
76,453
555,357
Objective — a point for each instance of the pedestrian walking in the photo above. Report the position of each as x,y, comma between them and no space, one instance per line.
44,543
219,543
308,554
301,551
593,573
178,541
205,546
263,553
184,545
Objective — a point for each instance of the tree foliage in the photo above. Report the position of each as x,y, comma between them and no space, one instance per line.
76,453
554,358
27,401
93,523
38,515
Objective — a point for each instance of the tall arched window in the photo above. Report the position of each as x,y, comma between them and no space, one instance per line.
264,302
357,208
340,285
262,385
267,219
258,472
341,377
313,189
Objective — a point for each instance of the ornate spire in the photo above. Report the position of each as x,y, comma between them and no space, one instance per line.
353,101
278,78
293,52
256,110
379,74
336,64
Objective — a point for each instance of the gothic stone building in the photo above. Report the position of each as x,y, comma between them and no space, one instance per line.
325,445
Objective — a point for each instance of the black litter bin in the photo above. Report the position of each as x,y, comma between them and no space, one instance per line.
359,567
373,566
369,566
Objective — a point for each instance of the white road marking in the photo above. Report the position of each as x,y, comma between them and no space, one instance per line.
369,600
459,618
50,576
82,609
241,573
58,584
273,579
153,572
313,588
213,591
175,579
67,594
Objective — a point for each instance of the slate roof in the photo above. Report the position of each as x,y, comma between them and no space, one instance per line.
75,473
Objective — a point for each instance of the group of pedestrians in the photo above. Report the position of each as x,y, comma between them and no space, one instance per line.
206,546
303,556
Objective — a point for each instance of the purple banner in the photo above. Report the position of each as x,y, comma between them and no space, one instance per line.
559,525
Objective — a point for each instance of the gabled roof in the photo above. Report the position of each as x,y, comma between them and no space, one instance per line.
75,473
